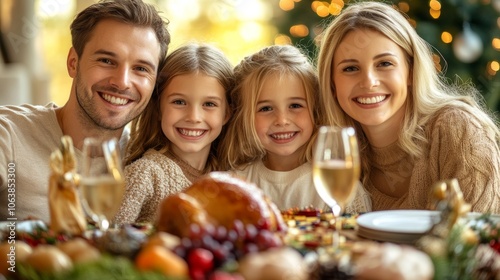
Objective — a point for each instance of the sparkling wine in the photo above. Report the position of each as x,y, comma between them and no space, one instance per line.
103,195
335,180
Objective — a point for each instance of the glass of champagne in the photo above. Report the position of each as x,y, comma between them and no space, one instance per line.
102,184
336,169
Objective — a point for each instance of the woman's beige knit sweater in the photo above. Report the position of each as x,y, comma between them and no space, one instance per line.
459,147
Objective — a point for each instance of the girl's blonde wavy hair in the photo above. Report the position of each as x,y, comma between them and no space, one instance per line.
429,90
146,132
242,145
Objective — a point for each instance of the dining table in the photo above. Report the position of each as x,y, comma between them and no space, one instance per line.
407,238
362,254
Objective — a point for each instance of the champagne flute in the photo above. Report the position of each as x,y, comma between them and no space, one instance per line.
102,184
336,169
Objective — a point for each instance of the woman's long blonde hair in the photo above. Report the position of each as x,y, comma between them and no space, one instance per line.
242,145
146,132
429,90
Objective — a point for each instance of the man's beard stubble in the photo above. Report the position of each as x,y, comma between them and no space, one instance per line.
88,112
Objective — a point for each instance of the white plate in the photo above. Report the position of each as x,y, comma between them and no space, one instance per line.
401,226
397,226
399,221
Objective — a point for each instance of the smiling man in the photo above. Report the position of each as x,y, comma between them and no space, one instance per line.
117,49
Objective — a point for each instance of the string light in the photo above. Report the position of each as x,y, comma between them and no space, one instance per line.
404,7
335,9
323,10
446,37
282,39
492,68
315,5
299,30
435,5
435,9
495,66
338,2
287,5
496,43
465,45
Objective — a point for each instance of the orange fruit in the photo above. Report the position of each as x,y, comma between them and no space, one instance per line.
159,258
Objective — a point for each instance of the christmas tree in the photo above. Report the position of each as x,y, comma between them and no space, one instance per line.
464,33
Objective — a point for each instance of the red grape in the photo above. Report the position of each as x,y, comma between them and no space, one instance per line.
201,259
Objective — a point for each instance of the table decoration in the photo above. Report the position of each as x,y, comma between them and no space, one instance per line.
66,212
454,243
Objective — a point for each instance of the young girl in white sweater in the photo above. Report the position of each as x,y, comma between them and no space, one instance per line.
270,139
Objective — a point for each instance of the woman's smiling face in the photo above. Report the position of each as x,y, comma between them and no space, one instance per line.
371,77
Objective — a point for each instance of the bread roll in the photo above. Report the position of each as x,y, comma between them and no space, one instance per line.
374,261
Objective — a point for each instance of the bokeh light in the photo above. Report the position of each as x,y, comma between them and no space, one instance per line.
299,30
286,5
282,39
446,37
496,43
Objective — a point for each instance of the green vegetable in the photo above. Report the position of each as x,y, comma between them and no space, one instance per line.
107,267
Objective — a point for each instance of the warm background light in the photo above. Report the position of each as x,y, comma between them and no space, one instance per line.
435,5
446,37
299,30
335,8
464,37
495,66
282,40
240,27
237,27
323,10
496,43
404,6
286,5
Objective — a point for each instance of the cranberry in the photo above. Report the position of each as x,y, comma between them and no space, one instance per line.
201,259
495,245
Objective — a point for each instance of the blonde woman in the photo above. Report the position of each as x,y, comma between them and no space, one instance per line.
414,128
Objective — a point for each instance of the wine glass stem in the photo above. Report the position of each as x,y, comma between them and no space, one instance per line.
336,210
336,233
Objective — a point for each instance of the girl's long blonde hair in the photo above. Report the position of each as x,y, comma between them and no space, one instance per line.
146,132
429,90
242,145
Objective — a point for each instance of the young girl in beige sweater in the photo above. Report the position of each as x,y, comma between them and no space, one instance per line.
175,140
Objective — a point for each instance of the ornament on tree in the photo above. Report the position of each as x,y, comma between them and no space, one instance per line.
468,46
